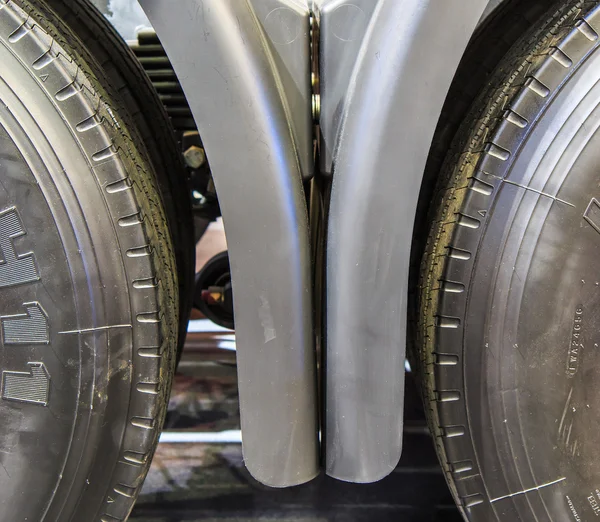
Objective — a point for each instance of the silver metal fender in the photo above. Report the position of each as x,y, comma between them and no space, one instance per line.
409,53
245,69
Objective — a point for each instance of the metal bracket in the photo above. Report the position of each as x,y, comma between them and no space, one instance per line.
245,69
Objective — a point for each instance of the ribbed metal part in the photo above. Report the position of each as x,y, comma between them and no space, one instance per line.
153,58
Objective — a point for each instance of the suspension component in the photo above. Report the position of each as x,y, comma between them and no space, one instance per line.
213,296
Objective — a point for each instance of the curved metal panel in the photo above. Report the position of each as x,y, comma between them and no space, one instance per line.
228,64
286,24
406,63
342,27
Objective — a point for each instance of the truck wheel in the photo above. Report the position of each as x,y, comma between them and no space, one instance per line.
510,284
88,281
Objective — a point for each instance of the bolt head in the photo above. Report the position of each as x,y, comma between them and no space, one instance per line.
194,157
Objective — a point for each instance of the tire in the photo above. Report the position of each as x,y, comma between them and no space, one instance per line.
509,333
88,283
109,57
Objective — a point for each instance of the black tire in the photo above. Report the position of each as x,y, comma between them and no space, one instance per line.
510,286
111,59
88,283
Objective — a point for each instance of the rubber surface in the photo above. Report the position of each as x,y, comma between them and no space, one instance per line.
88,283
111,59
490,43
509,284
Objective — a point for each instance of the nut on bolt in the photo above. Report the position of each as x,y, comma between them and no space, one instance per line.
195,157
316,107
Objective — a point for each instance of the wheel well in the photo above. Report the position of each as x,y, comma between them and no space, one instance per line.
491,41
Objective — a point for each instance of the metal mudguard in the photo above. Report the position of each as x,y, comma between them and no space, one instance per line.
386,67
407,59
228,55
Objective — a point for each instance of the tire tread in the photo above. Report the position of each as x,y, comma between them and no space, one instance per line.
139,222
477,162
